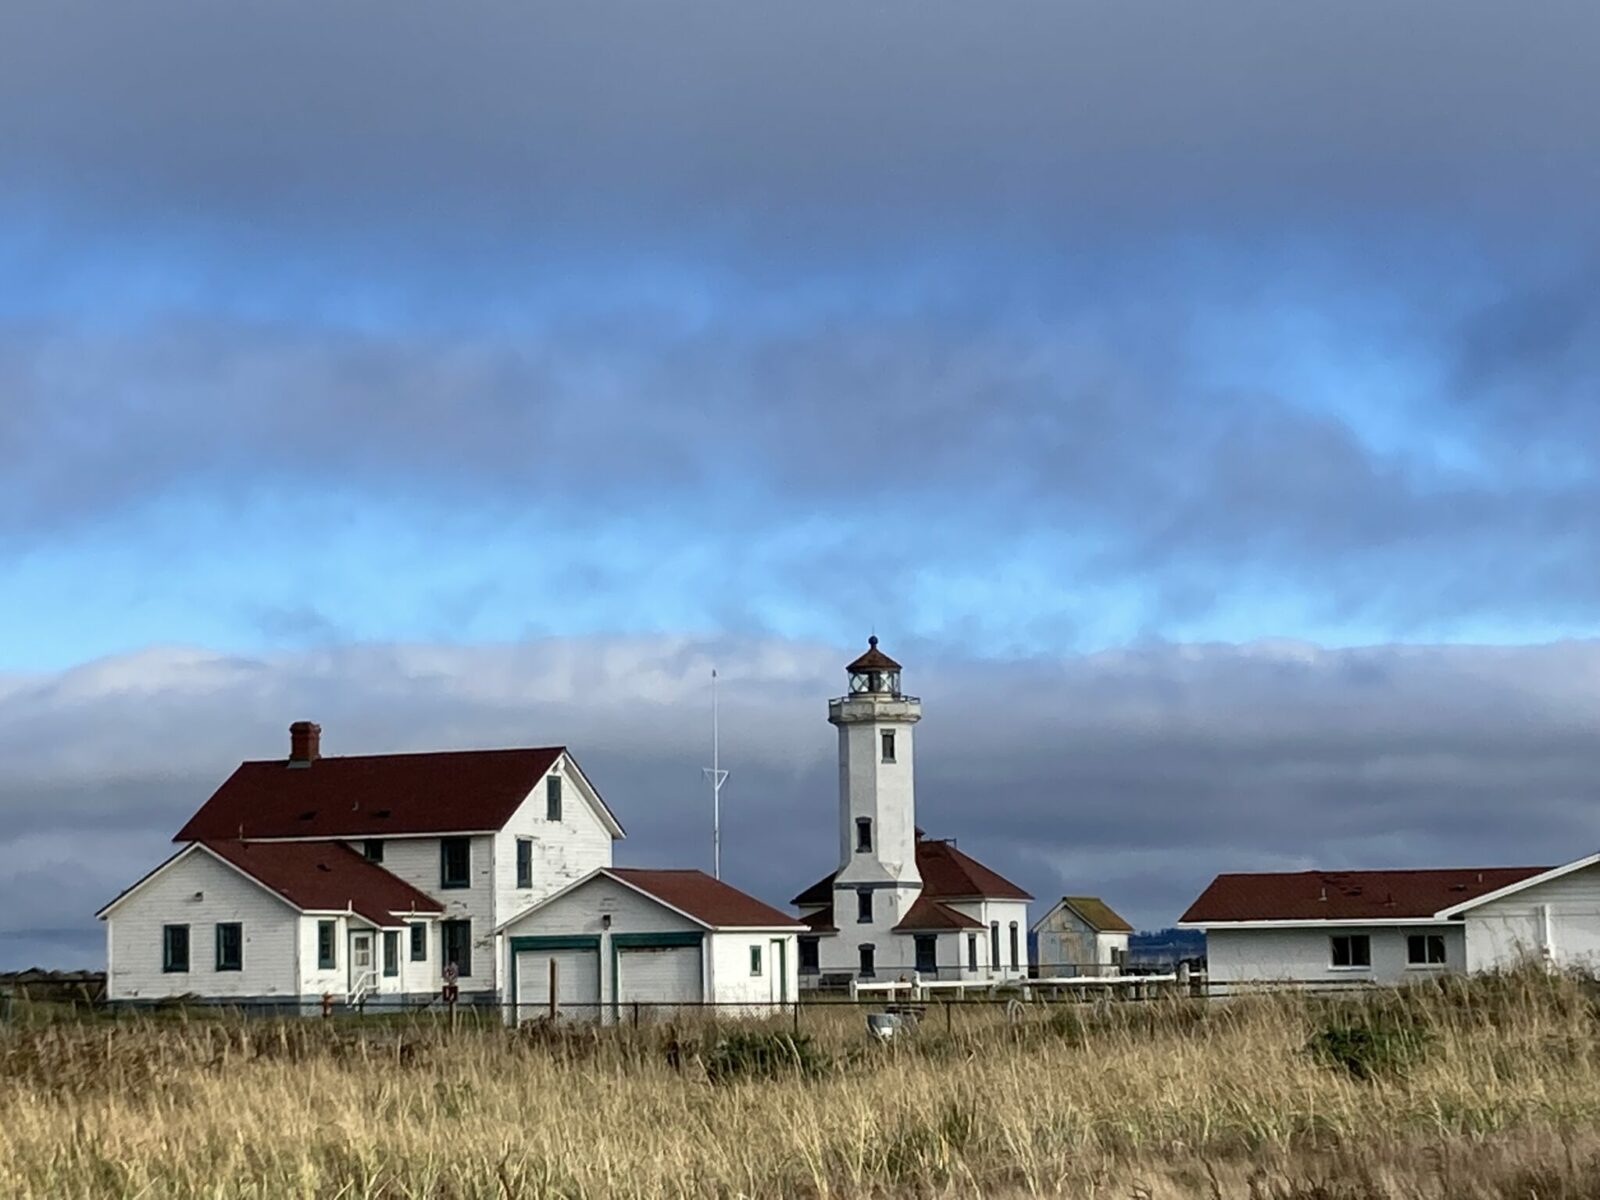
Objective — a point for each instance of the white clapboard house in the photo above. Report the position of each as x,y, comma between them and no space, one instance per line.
362,878
900,903
629,942
1390,926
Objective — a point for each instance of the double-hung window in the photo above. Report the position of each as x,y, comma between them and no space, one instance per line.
1425,950
524,862
327,945
755,960
1014,940
391,952
230,946
888,745
419,943
552,798
456,937
1350,950
455,862
175,949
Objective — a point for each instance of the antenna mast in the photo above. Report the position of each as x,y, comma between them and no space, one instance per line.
717,776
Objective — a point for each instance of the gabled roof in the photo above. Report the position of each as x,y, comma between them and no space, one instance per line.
451,791
693,894
1307,897
947,874
311,877
1545,876
930,914
1093,912
707,900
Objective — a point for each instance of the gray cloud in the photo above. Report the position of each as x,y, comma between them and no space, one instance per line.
1136,773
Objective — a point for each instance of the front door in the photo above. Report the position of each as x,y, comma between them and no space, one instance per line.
360,958
778,976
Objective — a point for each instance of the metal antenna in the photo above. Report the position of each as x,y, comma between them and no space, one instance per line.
717,775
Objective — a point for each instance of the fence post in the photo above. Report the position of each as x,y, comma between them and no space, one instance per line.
947,1018
797,1016
553,981
636,1014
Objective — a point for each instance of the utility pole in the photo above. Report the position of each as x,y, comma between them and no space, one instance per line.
716,775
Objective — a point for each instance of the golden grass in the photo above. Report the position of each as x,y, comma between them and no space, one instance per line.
1168,1098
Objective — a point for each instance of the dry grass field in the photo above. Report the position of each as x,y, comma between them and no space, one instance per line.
1487,1088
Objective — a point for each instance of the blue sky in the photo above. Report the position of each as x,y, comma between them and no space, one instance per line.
1032,337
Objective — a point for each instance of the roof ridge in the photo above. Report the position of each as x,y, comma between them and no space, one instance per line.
416,754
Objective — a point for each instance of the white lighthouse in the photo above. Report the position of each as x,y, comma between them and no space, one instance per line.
900,904
877,881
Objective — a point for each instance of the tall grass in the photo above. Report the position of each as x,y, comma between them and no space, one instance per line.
1467,1088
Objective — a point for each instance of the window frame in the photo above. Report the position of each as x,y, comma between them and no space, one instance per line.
391,954
524,863
867,960
994,945
327,945
972,952
446,845
755,961
552,798
169,942
1427,961
238,960
930,941
368,846
810,954
464,960
1015,956
886,742
863,906
1351,940
863,835
419,942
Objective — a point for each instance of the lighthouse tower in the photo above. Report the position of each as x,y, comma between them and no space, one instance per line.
877,881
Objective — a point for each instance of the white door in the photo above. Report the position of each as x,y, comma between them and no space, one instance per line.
360,960
653,976
577,984
778,971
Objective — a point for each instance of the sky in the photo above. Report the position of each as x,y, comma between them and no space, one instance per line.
1200,400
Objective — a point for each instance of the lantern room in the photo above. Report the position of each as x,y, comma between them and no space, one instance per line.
874,673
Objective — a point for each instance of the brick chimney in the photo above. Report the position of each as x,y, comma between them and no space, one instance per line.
305,743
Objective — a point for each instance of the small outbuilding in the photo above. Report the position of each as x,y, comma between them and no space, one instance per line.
632,943
1081,935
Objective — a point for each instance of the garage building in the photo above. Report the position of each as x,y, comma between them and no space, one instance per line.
626,942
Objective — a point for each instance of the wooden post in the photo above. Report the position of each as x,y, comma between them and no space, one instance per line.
947,1018
555,974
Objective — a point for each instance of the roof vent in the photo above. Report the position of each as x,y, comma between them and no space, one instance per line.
382,812
324,867
309,814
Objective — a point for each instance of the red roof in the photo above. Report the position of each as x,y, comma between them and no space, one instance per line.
325,876
947,874
873,659
454,791
704,898
932,915
820,920
1346,895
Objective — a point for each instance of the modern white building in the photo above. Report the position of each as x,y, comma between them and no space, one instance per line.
632,943
363,878
898,902
1080,935
1390,926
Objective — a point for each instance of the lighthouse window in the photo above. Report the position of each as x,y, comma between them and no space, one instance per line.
863,834
888,745
864,906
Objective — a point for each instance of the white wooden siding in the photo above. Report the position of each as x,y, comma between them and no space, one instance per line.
1501,932
416,860
199,891
731,981
564,851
